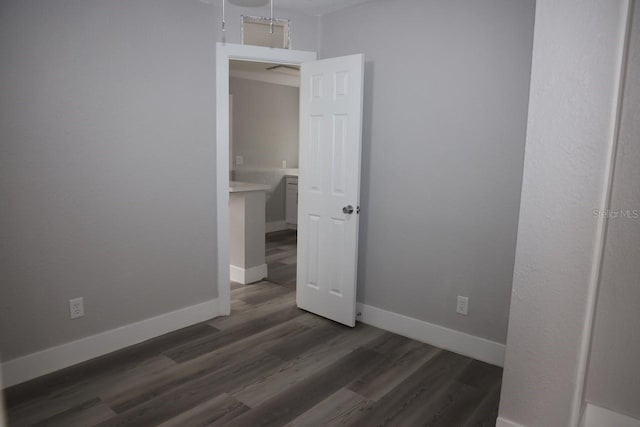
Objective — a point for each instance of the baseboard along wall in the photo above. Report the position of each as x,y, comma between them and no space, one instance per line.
44,362
468,345
248,275
596,416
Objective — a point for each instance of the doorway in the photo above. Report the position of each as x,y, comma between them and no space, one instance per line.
331,96
264,121
224,54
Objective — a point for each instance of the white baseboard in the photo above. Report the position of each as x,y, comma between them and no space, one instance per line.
596,416
248,275
272,226
439,336
43,362
502,422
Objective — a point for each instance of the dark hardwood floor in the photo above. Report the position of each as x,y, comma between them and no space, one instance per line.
268,364
281,247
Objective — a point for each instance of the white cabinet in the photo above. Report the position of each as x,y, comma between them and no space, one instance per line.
291,200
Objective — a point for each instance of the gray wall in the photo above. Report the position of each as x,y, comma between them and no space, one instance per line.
265,132
107,162
614,377
446,89
265,123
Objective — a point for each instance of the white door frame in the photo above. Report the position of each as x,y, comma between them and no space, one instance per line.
224,53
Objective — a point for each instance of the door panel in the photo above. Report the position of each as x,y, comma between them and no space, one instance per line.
330,146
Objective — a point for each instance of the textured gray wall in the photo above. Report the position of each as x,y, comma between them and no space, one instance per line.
107,162
614,378
446,90
265,132
576,52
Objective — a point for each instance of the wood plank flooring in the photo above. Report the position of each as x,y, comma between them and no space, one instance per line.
268,364
281,258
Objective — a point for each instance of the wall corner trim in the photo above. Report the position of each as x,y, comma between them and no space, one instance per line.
43,362
449,339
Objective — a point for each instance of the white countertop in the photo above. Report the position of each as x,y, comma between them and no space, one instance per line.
238,186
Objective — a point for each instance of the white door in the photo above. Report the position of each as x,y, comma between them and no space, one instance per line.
329,186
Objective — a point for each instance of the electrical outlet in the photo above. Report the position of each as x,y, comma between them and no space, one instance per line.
284,164
463,305
239,160
76,307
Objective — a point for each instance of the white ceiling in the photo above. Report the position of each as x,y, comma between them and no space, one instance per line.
311,7
265,72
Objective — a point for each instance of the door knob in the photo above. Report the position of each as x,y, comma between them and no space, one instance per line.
347,209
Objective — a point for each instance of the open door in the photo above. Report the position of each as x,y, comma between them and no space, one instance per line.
329,186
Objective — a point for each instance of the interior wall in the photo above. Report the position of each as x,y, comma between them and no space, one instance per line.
577,52
265,132
107,162
445,108
265,123
614,377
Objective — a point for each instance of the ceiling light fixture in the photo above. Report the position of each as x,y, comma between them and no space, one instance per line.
275,67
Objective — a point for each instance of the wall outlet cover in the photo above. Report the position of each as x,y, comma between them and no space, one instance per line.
76,307
463,305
